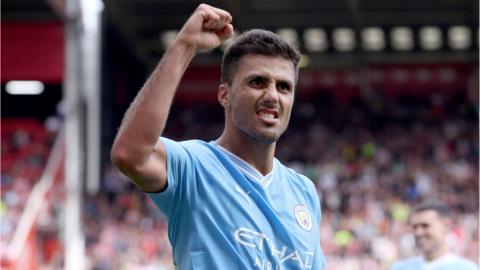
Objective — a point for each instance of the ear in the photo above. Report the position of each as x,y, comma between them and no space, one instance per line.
223,95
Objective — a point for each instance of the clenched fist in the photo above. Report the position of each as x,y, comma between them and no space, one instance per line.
206,28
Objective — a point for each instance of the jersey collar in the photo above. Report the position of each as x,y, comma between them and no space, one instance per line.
246,168
438,261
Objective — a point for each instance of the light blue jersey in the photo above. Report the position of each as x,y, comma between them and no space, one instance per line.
447,262
223,214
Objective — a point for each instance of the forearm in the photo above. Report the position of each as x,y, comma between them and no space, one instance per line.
146,117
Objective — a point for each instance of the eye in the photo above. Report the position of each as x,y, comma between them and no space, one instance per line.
284,86
257,82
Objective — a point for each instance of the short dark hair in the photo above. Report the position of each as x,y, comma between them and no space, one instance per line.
257,41
440,208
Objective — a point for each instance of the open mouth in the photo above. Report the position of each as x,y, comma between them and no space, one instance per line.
268,116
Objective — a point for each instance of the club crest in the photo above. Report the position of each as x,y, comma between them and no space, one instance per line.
303,217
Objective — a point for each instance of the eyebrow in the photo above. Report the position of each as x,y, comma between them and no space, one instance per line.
420,224
267,78
254,76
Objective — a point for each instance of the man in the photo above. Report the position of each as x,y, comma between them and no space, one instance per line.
230,203
430,225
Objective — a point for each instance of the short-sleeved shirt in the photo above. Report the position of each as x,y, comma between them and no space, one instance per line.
447,262
223,214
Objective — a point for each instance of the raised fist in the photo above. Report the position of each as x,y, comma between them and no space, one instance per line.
206,28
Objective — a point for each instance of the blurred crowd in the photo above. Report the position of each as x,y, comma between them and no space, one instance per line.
26,145
376,158
371,159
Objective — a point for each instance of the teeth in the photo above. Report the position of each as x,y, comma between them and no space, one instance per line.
267,116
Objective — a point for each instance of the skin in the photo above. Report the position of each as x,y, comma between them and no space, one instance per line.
430,230
136,150
262,86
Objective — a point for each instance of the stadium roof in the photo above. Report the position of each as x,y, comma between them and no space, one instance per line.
335,28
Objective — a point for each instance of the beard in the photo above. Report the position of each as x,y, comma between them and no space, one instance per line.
261,135
247,124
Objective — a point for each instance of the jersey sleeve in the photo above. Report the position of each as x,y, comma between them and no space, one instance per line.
179,169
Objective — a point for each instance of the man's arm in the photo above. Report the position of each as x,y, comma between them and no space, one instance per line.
136,150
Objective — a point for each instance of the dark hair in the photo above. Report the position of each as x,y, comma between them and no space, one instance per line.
441,209
257,41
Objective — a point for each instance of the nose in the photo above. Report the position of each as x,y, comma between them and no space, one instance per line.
418,231
271,95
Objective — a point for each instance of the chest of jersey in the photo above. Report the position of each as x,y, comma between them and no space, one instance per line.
271,226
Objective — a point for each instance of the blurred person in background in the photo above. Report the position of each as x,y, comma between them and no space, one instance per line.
231,204
431,223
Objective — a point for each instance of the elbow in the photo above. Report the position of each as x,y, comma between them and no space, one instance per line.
121,159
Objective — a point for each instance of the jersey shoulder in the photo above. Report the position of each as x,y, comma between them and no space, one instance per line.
408,264
194,145
464,263
192,148
295,178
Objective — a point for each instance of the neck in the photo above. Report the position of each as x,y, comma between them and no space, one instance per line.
259,155
435,254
